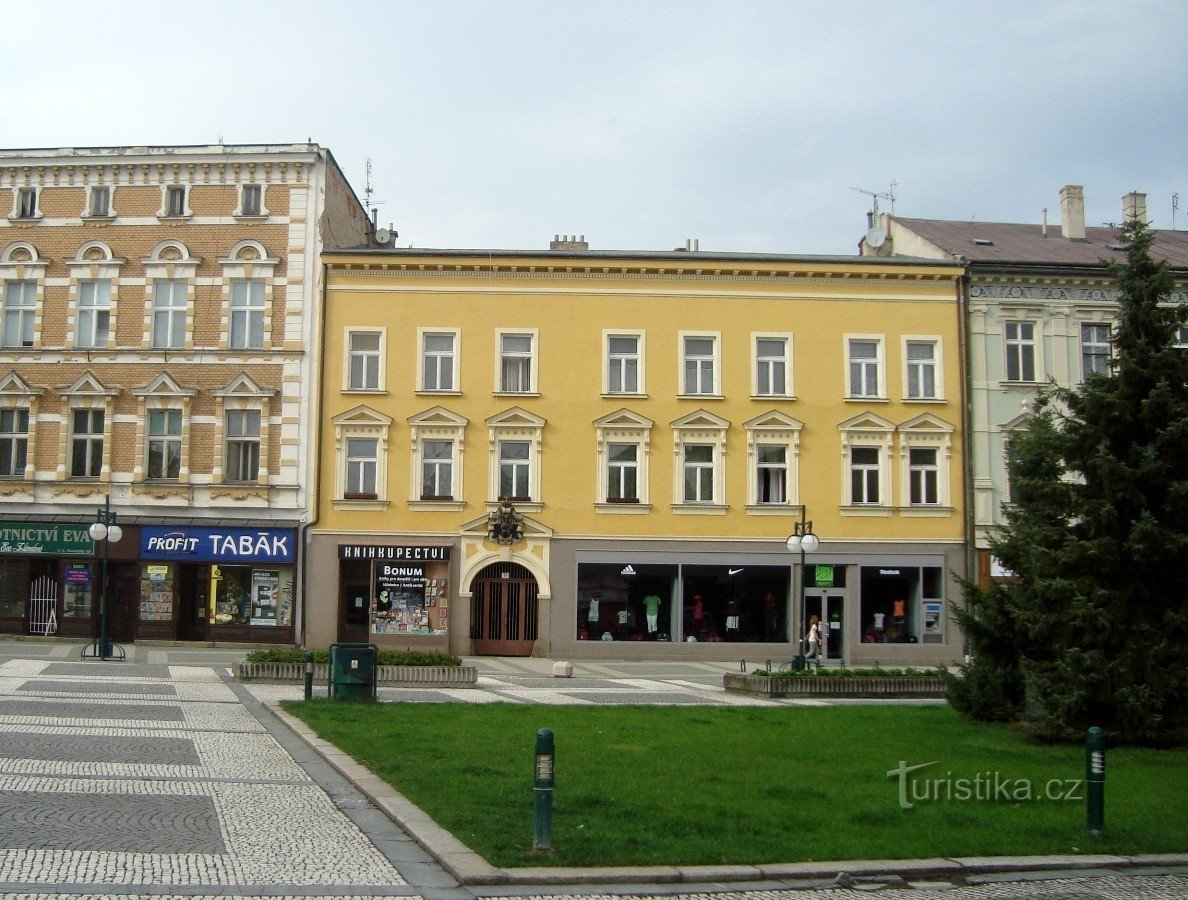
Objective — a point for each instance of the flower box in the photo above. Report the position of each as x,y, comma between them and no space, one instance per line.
862,686
389,676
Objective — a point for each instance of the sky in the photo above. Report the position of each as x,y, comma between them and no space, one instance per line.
750,126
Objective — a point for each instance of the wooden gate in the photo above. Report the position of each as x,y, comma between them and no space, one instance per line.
503,611
43,606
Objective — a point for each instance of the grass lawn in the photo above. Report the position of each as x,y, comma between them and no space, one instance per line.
654,785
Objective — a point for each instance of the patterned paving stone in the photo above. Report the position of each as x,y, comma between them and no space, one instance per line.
105,670
144,824
57,709
78,747
97,687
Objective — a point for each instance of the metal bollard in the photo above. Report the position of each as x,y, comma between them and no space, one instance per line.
542,793
309,675
1095,781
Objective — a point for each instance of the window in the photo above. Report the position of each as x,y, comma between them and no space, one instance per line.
86,446
164,445
94,313
169,313
437,470
438,361
20,313
14,442
243,445
26,204
771,366
771,473
864,475
515,470
251,200
1095,349
247,313
923,477
864,365
623,363
1020,351
175,201
921,357
364,354
99,202
698,467
516,372
362,462
699,353
622,476
1181,341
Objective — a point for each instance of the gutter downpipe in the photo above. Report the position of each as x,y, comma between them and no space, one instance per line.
315,452
971,552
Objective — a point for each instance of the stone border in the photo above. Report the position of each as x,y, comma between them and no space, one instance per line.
861,686
391,676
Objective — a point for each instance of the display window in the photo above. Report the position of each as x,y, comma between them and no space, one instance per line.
78,591
410,598
902,604
14,588
626,602
736,603
156,592
247,595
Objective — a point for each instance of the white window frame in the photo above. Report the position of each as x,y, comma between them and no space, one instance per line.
26,210
424,355
879,364
247,307
758,365
168,209
1105,350
437,424
361,423
515,424
361,468
20,306
698,429
923,475
773,429
92,440
936,364
623,427
1017,345
714,360
379,355
519,468
168,443
93,314
532,357
93,194
241,209
867,430
613,363
170,313
15,441
926,432
241,443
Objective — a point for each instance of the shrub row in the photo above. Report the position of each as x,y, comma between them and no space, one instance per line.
843,673
383,657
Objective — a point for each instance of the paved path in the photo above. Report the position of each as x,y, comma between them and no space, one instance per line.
160,777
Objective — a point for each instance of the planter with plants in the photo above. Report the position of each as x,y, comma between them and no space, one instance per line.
394,668
862,683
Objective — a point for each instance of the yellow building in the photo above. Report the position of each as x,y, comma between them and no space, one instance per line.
656,425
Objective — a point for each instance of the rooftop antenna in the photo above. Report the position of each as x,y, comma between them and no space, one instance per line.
875,197
1175,207
368,191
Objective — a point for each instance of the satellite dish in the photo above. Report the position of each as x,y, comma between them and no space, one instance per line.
383,235
876,237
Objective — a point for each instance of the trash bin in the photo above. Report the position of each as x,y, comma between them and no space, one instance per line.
352,672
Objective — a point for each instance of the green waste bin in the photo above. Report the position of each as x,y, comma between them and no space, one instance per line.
352,671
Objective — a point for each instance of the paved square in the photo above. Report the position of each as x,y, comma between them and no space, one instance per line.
59,709
73,746
98,687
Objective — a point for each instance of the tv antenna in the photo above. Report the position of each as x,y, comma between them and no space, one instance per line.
368,190
876,196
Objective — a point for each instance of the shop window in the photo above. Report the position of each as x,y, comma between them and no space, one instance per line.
624,363
78,592
741,603
157,592
410,598
94,313
243,445
231,588
773,364
247,313
169,313
86,443
626,602
20,313
14,442
890,604
14,588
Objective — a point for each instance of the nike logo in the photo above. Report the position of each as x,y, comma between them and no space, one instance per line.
734,571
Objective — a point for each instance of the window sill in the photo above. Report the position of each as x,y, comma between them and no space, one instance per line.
1021,384
871,509
627,395
623,509
699,509
436,505
773,397
99,220
254,217
936,401
922,511
866,399
351,390
182,218
438,393
772,509
361,504
701,397
19,219
522,506
515,393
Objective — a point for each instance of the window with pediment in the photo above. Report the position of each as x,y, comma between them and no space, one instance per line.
437,437
514,458
699,463
87,437
242,409
773,451
164,418
361,458
867,442
623,441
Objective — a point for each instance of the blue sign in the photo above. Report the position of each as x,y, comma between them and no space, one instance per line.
194,543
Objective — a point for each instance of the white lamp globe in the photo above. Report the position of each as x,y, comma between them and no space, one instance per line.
98,531
810,542
114,533
793,542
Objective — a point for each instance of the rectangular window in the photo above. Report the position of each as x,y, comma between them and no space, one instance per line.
364,361
247,313
243,445
699,473
94,313
1020,351
100,202
86,444
923,477
771,473
20,313
164,445
864,475
437,470
437,364
622,475
26,203
1095,349
169,313
921,370
1182,337
14,442
251,205
175,200
699,357
514,471
864,368
515,363
362,466
622,364
771,367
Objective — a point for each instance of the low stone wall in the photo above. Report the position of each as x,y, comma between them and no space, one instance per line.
389,676
862,686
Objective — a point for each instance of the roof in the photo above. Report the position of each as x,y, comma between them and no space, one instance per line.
1027,245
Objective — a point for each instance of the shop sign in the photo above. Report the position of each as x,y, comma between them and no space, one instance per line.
823,576
412,554
889,571
46,539
193,543
78,573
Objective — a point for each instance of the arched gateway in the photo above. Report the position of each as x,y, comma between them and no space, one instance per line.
503,610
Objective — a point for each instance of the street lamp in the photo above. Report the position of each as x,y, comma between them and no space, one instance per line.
104,531
805,541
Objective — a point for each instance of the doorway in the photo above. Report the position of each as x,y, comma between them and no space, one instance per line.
354,605
503,611
193,586
829,607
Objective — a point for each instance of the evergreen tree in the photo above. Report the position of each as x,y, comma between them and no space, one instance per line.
1096,625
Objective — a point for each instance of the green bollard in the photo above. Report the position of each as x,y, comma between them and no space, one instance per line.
542,792
1095,781
309,675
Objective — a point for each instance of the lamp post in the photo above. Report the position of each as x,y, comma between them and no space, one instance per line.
104,531
805,541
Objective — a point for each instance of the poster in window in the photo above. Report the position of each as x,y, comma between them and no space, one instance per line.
265,596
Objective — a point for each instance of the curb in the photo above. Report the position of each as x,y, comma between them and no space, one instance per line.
471,869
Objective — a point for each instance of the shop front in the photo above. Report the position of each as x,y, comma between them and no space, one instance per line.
394,596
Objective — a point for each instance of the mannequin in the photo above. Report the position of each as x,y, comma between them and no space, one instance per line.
652,609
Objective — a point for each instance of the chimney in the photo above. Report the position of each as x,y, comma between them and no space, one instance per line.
1072,212
1134,207
569,242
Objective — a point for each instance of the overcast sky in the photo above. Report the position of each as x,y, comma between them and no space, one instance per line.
743,124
